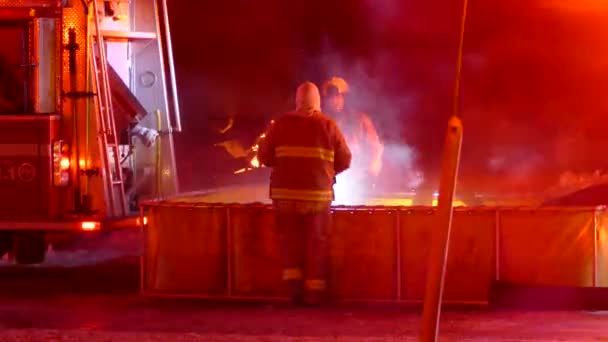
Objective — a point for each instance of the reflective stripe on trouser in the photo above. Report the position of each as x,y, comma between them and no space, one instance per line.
315,284
294,273
305,245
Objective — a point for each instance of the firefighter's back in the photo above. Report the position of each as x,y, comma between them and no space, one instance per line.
304,148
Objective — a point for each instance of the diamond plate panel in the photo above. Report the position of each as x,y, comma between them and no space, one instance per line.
75,17
30,3
59,68
75,131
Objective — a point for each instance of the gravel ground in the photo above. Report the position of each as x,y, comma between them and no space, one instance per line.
90,294
94,336
128,317
70,336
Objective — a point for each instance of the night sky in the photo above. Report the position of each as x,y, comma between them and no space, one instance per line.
534,78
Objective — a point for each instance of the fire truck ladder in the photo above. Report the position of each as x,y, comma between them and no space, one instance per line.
107,137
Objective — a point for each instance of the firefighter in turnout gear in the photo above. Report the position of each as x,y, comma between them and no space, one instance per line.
362,138
359,130
306,150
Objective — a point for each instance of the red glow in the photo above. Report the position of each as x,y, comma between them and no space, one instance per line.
89,225
64,163
145,221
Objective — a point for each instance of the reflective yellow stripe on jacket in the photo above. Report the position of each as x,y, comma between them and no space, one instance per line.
305,152
303,195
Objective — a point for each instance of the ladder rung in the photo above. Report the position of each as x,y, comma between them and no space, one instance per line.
116,182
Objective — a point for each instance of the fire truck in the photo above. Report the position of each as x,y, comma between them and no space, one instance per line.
88,108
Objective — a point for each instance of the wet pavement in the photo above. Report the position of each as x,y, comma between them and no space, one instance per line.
72,299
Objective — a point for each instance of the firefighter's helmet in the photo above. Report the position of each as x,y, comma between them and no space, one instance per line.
335,86
307,98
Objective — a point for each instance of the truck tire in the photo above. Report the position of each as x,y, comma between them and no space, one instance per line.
5,243
62,242
29,248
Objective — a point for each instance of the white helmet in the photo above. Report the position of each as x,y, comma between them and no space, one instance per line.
308,99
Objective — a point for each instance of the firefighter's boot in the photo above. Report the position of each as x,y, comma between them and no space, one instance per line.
296,291
315,293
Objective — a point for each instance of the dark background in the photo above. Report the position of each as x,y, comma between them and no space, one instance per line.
535,76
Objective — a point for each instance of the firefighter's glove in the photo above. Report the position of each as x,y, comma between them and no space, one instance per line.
146,135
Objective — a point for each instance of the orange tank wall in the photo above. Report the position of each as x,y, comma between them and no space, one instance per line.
378,253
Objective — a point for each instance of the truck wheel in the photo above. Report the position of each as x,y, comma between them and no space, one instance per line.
62,242
5,243
29,248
